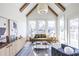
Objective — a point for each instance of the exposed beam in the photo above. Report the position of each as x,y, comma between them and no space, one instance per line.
52,11
60,6
32,9
24,6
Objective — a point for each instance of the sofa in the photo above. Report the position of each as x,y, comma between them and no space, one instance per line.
40,37
61,52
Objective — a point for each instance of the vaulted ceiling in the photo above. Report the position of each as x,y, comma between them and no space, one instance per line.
56,8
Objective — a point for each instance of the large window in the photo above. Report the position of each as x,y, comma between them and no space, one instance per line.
61,29
41,26
31,27
73,32
52,28
71,28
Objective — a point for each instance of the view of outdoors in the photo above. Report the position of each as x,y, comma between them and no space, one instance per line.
40,27
61,29
73,32
51,28
32,27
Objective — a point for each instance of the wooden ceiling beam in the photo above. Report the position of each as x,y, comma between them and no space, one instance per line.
52,11
32,9
23,6
60,6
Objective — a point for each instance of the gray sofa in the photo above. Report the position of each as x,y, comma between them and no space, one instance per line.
60,51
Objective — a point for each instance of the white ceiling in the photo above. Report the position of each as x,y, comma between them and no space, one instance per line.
52,5
17,6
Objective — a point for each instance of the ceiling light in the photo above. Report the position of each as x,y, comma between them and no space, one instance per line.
42,8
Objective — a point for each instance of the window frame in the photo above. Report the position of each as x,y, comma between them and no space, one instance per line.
69,41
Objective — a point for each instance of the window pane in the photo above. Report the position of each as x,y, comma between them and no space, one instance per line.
51,28
41,26
62,29
73,32
32,27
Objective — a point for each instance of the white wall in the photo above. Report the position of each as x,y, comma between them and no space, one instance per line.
11,11
72,10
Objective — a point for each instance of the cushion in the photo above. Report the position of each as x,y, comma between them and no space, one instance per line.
37,36
40,36
43,35
68,50
64,45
